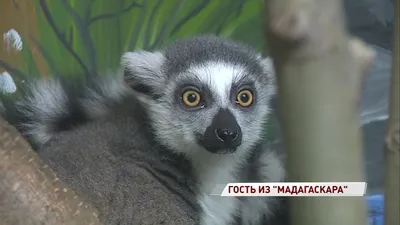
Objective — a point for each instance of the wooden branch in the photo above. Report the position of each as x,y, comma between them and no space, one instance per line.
30,193
392,147
319,76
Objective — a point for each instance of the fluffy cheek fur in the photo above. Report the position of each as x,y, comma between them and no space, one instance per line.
253,121
252,125
271,170
176,128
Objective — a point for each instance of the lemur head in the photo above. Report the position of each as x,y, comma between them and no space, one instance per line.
204,93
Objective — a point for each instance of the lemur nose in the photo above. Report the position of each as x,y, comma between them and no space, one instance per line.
226,135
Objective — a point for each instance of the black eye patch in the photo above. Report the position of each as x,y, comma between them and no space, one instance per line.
142,88
203,89
243,84
139,86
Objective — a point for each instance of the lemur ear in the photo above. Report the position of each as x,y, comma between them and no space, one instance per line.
269,69
142,71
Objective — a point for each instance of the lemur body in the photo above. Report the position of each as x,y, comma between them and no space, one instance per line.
200,102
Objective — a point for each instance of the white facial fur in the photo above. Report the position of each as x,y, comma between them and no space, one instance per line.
176,128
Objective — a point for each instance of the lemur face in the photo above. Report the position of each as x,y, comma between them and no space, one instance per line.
203,94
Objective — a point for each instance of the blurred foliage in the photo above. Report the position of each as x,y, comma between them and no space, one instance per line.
88,37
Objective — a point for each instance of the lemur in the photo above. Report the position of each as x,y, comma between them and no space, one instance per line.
204,98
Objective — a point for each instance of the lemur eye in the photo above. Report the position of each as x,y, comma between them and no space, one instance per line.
244,98
191,98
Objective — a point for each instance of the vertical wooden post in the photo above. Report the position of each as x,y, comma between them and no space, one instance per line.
319,75
392,145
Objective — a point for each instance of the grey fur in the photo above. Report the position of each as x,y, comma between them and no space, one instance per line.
159,123
131,181
178,65
46,102
45,105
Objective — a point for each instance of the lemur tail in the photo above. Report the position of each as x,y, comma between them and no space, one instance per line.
52,105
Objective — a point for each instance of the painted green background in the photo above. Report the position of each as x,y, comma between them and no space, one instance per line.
78,37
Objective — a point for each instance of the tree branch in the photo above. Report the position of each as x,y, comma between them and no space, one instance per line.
137,28
30,191
14,71
87,40
88,10
195,11
319,75
46,56
240,7
392,145
146,43
110,15
229,11
60,36
224,19
120,3
166,25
